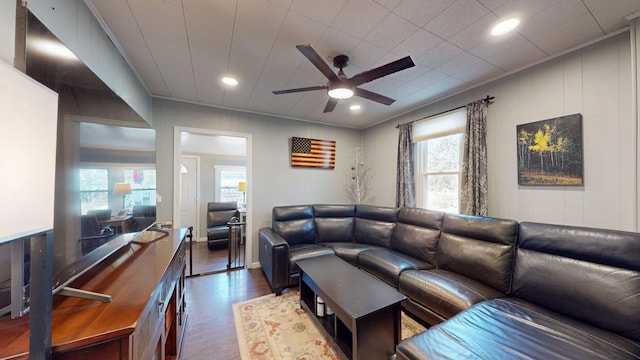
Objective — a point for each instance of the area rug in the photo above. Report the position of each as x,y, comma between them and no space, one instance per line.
275,327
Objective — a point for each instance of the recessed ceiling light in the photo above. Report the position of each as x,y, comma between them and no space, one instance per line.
229,81
354,107
505,27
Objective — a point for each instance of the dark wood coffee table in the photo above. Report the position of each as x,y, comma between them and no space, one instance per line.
366,319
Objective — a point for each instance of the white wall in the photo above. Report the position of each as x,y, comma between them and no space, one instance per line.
594,81
274,181
7,46
7,30
635,104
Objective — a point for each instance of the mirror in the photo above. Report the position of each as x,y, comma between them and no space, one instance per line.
105,159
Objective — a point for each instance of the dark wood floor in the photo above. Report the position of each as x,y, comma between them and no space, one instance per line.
206,261
210,332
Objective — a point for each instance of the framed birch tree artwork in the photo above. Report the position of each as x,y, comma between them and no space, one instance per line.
550,152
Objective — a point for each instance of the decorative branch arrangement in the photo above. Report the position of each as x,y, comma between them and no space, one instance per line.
358,179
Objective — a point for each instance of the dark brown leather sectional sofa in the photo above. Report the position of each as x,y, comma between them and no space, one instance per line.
489,288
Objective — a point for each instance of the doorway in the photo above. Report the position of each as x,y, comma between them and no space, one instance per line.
197,154
190,192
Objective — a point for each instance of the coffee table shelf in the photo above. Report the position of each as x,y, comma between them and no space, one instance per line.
333,327
366,319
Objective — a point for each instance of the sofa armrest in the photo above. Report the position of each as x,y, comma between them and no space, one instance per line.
274,258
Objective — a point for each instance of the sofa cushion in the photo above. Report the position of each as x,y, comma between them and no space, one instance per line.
514,329
305,251
334,222
444,292
295,224
387,264
481,248
589,274
349,252
417,232
374,224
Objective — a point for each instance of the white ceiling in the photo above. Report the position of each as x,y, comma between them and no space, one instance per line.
182,48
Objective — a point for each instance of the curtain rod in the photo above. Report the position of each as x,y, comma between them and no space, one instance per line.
488,100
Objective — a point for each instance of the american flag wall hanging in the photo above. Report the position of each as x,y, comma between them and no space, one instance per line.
313,153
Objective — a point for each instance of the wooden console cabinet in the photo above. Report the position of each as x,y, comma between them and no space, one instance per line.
145,319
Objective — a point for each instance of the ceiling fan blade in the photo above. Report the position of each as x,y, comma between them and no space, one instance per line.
331,104
381,71
317,61
373,96
289,91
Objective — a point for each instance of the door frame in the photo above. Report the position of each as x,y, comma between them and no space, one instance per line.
177,141
198,198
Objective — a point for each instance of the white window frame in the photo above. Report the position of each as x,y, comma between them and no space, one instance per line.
218,177
114,174
105,191
449,123
134,188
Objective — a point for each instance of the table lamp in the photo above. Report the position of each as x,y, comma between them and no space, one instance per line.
123,189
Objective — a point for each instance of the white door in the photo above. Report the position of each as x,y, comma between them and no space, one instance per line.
189,194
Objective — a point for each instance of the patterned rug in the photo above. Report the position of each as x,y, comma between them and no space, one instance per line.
275,327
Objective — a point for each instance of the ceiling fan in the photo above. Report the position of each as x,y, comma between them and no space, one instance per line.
342,87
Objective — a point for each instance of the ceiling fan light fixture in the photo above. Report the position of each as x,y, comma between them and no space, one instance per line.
340,93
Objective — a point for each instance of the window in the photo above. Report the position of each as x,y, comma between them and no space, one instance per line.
226,183
94,189
438,156
143,186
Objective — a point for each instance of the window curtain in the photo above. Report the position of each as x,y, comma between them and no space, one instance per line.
405,171
474,183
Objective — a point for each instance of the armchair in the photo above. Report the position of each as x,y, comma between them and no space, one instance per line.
141,217
101,215
218,215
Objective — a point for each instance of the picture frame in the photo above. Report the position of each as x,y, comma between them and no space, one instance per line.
312,153
550,152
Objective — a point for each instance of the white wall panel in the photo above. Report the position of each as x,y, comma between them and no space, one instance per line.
572,85
380,152
594,81
7,30
601,128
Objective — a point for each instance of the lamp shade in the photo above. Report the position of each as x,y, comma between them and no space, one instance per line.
242,186
121,188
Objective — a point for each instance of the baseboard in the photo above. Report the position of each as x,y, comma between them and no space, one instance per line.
255,265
